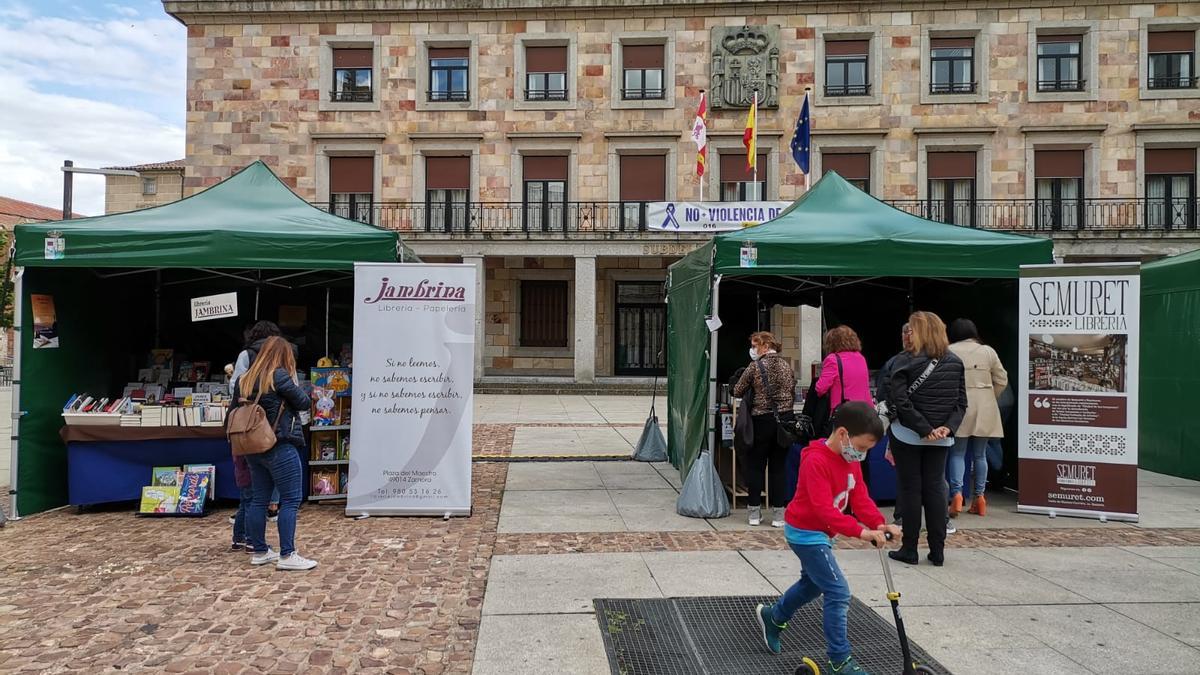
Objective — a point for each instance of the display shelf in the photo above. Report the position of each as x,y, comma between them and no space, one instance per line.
339,427
318,498
327,462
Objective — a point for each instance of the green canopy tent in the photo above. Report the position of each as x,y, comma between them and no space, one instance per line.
835,236
249,230
1170,366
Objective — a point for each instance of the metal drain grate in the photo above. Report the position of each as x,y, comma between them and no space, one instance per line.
718,635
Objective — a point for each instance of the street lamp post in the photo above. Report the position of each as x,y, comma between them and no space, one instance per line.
69,170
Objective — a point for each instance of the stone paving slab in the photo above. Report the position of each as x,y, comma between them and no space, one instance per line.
540,644
562,584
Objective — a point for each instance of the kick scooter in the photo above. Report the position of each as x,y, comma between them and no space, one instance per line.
809,667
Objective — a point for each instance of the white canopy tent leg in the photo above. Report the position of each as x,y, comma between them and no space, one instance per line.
18,305
711,410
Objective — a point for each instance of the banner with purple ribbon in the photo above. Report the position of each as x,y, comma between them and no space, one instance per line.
710,216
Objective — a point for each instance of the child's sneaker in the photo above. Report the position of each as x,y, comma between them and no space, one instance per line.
847,666
770,629
755,513
777,520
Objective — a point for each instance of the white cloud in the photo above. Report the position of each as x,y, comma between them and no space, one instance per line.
60,84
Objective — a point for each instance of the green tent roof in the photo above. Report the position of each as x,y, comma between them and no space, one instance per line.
835,229
249,221
1174,274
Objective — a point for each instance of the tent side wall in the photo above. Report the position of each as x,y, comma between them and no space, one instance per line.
1170,370
688,301
82,362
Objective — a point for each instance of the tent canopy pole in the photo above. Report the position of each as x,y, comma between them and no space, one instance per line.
18,340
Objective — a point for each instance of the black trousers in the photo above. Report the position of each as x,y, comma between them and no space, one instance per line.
921,485
768,455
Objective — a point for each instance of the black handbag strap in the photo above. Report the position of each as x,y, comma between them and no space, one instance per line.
841,377
762,373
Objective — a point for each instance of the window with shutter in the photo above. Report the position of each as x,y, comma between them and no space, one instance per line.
544,314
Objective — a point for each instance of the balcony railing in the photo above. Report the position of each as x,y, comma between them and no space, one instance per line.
348,96
952,88
848,89
1061,85
545,94
1172,82
602,219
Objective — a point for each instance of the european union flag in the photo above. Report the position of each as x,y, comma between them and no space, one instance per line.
802,139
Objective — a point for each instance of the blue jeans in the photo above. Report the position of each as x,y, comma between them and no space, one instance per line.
957,465
239,519
279,468
819,574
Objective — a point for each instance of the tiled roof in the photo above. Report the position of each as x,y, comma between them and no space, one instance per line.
176,164
13,211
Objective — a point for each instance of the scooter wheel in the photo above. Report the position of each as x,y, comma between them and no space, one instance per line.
925,670
808,667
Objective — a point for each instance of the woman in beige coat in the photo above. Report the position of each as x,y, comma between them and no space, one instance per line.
985,379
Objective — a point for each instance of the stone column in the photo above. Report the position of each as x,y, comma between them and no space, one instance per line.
480,311
810,342
585,318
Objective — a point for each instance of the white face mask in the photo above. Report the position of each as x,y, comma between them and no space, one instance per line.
754,354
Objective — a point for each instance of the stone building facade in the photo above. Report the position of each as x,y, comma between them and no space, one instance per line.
522,138
156,184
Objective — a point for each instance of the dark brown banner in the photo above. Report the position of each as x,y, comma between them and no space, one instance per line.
1084,486
1078,410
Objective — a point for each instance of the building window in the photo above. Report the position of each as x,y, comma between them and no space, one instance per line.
737,181
952,187
643,68
544,314
855,167
1059,66
1059,189
149,185
546,73
448,70
952,66
447,193
1171,188
846,68
1172,56
643,179
352,187
352,76
544,199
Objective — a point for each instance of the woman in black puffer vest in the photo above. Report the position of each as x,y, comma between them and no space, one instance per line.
928,391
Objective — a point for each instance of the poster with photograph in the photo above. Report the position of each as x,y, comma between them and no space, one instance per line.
1078,413
45,322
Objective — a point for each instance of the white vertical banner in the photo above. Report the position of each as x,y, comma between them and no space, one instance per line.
414,356
1078,410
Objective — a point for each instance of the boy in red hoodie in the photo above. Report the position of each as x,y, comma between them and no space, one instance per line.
830,479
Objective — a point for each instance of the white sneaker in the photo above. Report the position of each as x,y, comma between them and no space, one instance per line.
950,528
232,520
777,521
295,561
755,513
263,558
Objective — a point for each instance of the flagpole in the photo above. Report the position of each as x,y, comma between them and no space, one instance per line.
755,146
703,176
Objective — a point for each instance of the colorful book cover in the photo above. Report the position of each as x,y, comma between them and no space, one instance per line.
343,480
200,370
162,358
324,482
344,449
210,470
159,499
336,380
327,447
166,476
193,490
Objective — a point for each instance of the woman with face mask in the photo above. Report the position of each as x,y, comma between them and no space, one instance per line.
773,382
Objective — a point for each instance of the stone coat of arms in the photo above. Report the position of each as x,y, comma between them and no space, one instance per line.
744,60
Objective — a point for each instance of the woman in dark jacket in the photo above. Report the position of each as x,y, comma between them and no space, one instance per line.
928,392
271,381
776,395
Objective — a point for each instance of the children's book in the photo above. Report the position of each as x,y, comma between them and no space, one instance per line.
324,482
200,371
166,476
160,499
146,375
162,358
344,449
343,480
209,470
336,380
327,447
193,490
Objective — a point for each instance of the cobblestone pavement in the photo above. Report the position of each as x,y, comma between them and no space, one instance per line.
108,592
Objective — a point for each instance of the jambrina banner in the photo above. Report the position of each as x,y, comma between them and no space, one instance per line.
1078,410
414,367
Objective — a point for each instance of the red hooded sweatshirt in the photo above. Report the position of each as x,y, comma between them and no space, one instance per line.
827,484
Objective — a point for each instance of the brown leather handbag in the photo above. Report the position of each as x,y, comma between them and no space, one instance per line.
247,428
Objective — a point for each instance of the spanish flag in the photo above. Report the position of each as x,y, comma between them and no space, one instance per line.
750,136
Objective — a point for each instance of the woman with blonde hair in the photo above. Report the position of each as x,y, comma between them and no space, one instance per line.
773,382
928,393
271,382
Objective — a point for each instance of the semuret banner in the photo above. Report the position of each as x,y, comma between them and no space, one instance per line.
414,366
1078,414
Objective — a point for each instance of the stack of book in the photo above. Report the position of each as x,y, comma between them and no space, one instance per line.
207,415
174,490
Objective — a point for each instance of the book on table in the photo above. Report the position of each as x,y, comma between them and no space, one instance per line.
160,499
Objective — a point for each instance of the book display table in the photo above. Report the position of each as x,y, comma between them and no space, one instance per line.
112,463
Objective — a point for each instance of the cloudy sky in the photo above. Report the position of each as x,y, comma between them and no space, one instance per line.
95,81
